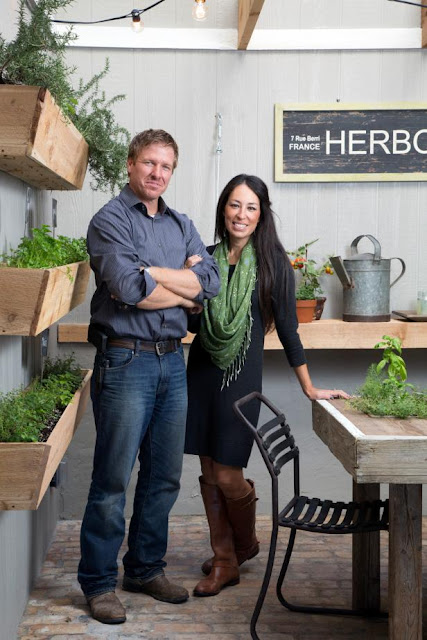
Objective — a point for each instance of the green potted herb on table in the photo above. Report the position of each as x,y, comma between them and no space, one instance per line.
309,294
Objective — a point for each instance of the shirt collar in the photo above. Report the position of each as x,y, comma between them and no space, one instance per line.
132,200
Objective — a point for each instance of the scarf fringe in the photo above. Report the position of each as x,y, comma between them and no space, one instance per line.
233,369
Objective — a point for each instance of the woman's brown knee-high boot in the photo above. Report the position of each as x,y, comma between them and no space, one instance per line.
241,515
225,570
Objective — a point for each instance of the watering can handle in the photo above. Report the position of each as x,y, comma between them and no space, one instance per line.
401,273
377,247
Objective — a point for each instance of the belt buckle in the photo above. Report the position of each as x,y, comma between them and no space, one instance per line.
160,349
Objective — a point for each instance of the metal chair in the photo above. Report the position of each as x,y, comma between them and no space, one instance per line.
277,447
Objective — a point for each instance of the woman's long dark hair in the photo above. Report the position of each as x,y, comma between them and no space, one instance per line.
267,245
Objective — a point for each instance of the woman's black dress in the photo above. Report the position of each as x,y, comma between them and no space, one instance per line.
213,429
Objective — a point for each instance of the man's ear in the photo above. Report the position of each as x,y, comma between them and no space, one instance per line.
129,163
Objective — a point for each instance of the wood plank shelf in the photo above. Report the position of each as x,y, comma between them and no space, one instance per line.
321,334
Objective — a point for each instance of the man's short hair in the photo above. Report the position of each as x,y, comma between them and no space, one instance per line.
149,137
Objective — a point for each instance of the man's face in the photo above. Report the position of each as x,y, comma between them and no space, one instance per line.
150,174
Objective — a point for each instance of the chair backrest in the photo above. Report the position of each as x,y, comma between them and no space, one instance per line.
274,438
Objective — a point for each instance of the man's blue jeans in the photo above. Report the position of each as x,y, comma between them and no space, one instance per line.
140,407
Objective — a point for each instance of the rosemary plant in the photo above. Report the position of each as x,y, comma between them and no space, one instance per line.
37,56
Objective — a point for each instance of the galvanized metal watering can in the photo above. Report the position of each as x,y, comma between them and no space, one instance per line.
366,283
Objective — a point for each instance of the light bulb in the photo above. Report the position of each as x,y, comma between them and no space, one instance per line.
200,10
137,24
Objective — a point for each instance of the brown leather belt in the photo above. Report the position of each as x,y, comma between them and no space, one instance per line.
162,347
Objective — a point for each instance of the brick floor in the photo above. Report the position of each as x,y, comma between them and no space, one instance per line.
320,572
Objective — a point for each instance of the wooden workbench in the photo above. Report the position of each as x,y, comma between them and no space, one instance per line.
321,334
394,452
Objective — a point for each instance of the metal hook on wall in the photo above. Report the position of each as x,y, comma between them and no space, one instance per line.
218,152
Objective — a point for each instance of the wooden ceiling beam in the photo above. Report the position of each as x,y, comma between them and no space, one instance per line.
424,27
249,11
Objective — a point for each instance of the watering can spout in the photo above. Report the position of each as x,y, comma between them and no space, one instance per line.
342,273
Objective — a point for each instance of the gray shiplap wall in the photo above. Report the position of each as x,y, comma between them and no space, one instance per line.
182,92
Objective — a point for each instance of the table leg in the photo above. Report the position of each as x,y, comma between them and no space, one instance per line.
405,562
366,557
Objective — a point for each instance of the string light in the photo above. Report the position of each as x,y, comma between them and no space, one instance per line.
135,15
200,10
137,24
414,4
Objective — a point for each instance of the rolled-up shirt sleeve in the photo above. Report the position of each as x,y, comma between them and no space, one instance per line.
114,259
207,270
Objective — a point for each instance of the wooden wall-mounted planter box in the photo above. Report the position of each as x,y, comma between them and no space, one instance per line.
33,299
38,144
26,468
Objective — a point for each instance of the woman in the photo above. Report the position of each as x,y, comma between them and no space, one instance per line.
225,363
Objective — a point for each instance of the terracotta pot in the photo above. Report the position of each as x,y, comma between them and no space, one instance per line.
305,310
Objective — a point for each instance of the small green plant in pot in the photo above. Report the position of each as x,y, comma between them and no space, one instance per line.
385,391
309,273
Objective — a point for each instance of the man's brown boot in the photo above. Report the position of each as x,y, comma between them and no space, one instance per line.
241,514
107,608
225,570
159,588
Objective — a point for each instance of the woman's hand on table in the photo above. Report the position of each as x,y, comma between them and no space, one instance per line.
326,394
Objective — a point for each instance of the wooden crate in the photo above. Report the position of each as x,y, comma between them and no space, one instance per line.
38,144
26,468
33,299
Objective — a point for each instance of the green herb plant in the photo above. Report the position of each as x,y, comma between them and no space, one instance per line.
37,57
29,415
43,251
385,391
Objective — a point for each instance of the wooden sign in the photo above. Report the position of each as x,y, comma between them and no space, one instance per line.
346,143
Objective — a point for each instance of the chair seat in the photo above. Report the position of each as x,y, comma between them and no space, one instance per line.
326,516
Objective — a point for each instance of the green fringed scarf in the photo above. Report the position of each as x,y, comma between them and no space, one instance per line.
226,326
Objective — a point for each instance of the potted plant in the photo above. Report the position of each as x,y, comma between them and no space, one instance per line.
308,290
36,427
385,391
48,127
41,281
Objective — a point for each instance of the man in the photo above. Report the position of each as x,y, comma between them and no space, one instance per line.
138,248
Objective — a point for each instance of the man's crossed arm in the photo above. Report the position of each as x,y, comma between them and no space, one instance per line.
175,288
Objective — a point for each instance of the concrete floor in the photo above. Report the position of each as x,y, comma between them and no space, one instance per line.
320,573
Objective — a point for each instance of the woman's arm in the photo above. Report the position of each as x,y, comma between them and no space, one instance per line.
284,309
312,392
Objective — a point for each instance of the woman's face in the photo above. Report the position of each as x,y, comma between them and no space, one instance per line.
242,212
